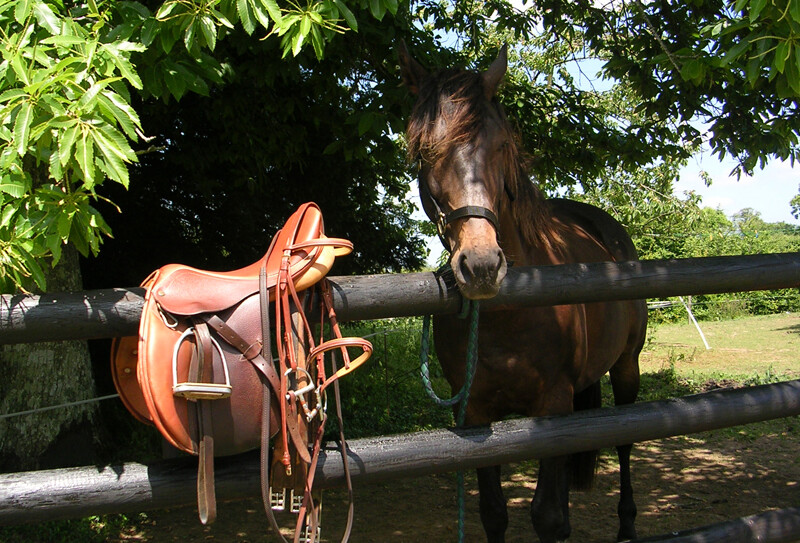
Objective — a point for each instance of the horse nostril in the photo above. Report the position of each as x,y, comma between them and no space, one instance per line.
464,267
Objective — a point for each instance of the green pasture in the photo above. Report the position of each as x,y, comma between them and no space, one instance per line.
744,350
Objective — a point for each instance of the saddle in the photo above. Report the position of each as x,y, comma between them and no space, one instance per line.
202,370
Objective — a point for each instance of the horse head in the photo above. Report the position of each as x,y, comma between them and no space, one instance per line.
460,137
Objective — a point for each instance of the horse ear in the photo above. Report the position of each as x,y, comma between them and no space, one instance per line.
494,75
412,71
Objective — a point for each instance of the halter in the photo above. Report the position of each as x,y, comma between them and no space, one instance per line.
442,219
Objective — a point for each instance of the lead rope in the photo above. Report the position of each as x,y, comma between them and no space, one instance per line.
472,308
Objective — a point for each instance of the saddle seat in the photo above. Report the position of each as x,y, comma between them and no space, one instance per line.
184,290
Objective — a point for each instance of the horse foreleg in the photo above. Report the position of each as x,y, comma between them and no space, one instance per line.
550,506
494,514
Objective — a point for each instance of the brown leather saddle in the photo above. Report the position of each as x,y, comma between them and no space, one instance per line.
202,371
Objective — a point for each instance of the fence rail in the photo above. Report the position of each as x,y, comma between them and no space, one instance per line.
76,492
115,312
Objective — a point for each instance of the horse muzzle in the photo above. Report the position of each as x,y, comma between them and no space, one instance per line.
479,270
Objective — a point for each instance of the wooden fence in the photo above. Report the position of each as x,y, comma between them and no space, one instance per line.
75,492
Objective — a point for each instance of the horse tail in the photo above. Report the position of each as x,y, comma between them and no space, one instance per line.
584,464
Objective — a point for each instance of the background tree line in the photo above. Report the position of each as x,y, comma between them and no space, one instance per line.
140,133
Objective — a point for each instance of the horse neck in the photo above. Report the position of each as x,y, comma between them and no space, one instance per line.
527,230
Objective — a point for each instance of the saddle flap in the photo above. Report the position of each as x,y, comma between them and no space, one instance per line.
164,372
124,364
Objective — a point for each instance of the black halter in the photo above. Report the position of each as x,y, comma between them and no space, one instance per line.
442,219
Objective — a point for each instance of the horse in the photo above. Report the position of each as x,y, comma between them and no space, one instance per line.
532,361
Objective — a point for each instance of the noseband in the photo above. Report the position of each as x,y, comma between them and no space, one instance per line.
442,219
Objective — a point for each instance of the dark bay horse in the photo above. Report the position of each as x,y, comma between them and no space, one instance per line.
532,361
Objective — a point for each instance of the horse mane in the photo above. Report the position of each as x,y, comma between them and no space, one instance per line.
466,109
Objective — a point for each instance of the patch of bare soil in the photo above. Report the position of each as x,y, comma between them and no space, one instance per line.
680,483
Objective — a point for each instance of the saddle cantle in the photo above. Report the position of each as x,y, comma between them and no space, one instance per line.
202,370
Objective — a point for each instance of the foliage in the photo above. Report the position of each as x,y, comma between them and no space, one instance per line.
66,79
713,234
81,84
94,529
386,395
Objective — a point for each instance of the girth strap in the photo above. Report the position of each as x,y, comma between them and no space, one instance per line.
266,369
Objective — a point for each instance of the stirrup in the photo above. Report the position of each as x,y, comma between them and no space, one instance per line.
297,501
277,499
305,537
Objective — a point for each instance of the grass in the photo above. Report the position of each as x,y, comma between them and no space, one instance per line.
747,350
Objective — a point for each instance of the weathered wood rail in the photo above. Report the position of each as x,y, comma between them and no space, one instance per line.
115,312
76,492
68,493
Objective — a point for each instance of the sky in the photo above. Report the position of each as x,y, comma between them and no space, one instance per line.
768,191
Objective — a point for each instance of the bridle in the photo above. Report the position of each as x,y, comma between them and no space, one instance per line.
442,219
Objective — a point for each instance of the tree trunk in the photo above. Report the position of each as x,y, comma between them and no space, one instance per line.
37,375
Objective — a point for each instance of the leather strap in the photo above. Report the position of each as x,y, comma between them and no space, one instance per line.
206,495
266,369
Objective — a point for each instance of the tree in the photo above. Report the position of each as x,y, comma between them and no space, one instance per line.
67,81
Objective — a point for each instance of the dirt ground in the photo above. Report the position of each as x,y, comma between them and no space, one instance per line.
680,483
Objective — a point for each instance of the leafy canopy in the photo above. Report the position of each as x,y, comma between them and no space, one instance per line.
66,77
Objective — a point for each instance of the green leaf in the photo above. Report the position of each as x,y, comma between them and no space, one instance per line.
794,10
21,10
265,12
272,8
377,9
735,52
33,268
297,43
305,25
13,187
246,16
756,6
122,63
66,140
56,171
318,42
166,9
22,127
46,17
115,107
84,154
150,30
209,31
364,123
87,100
64,40
12,94
118,144
64,225
347,14
391,5
7,214
782,52
189,35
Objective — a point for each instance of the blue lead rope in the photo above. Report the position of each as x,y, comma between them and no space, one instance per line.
461,398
